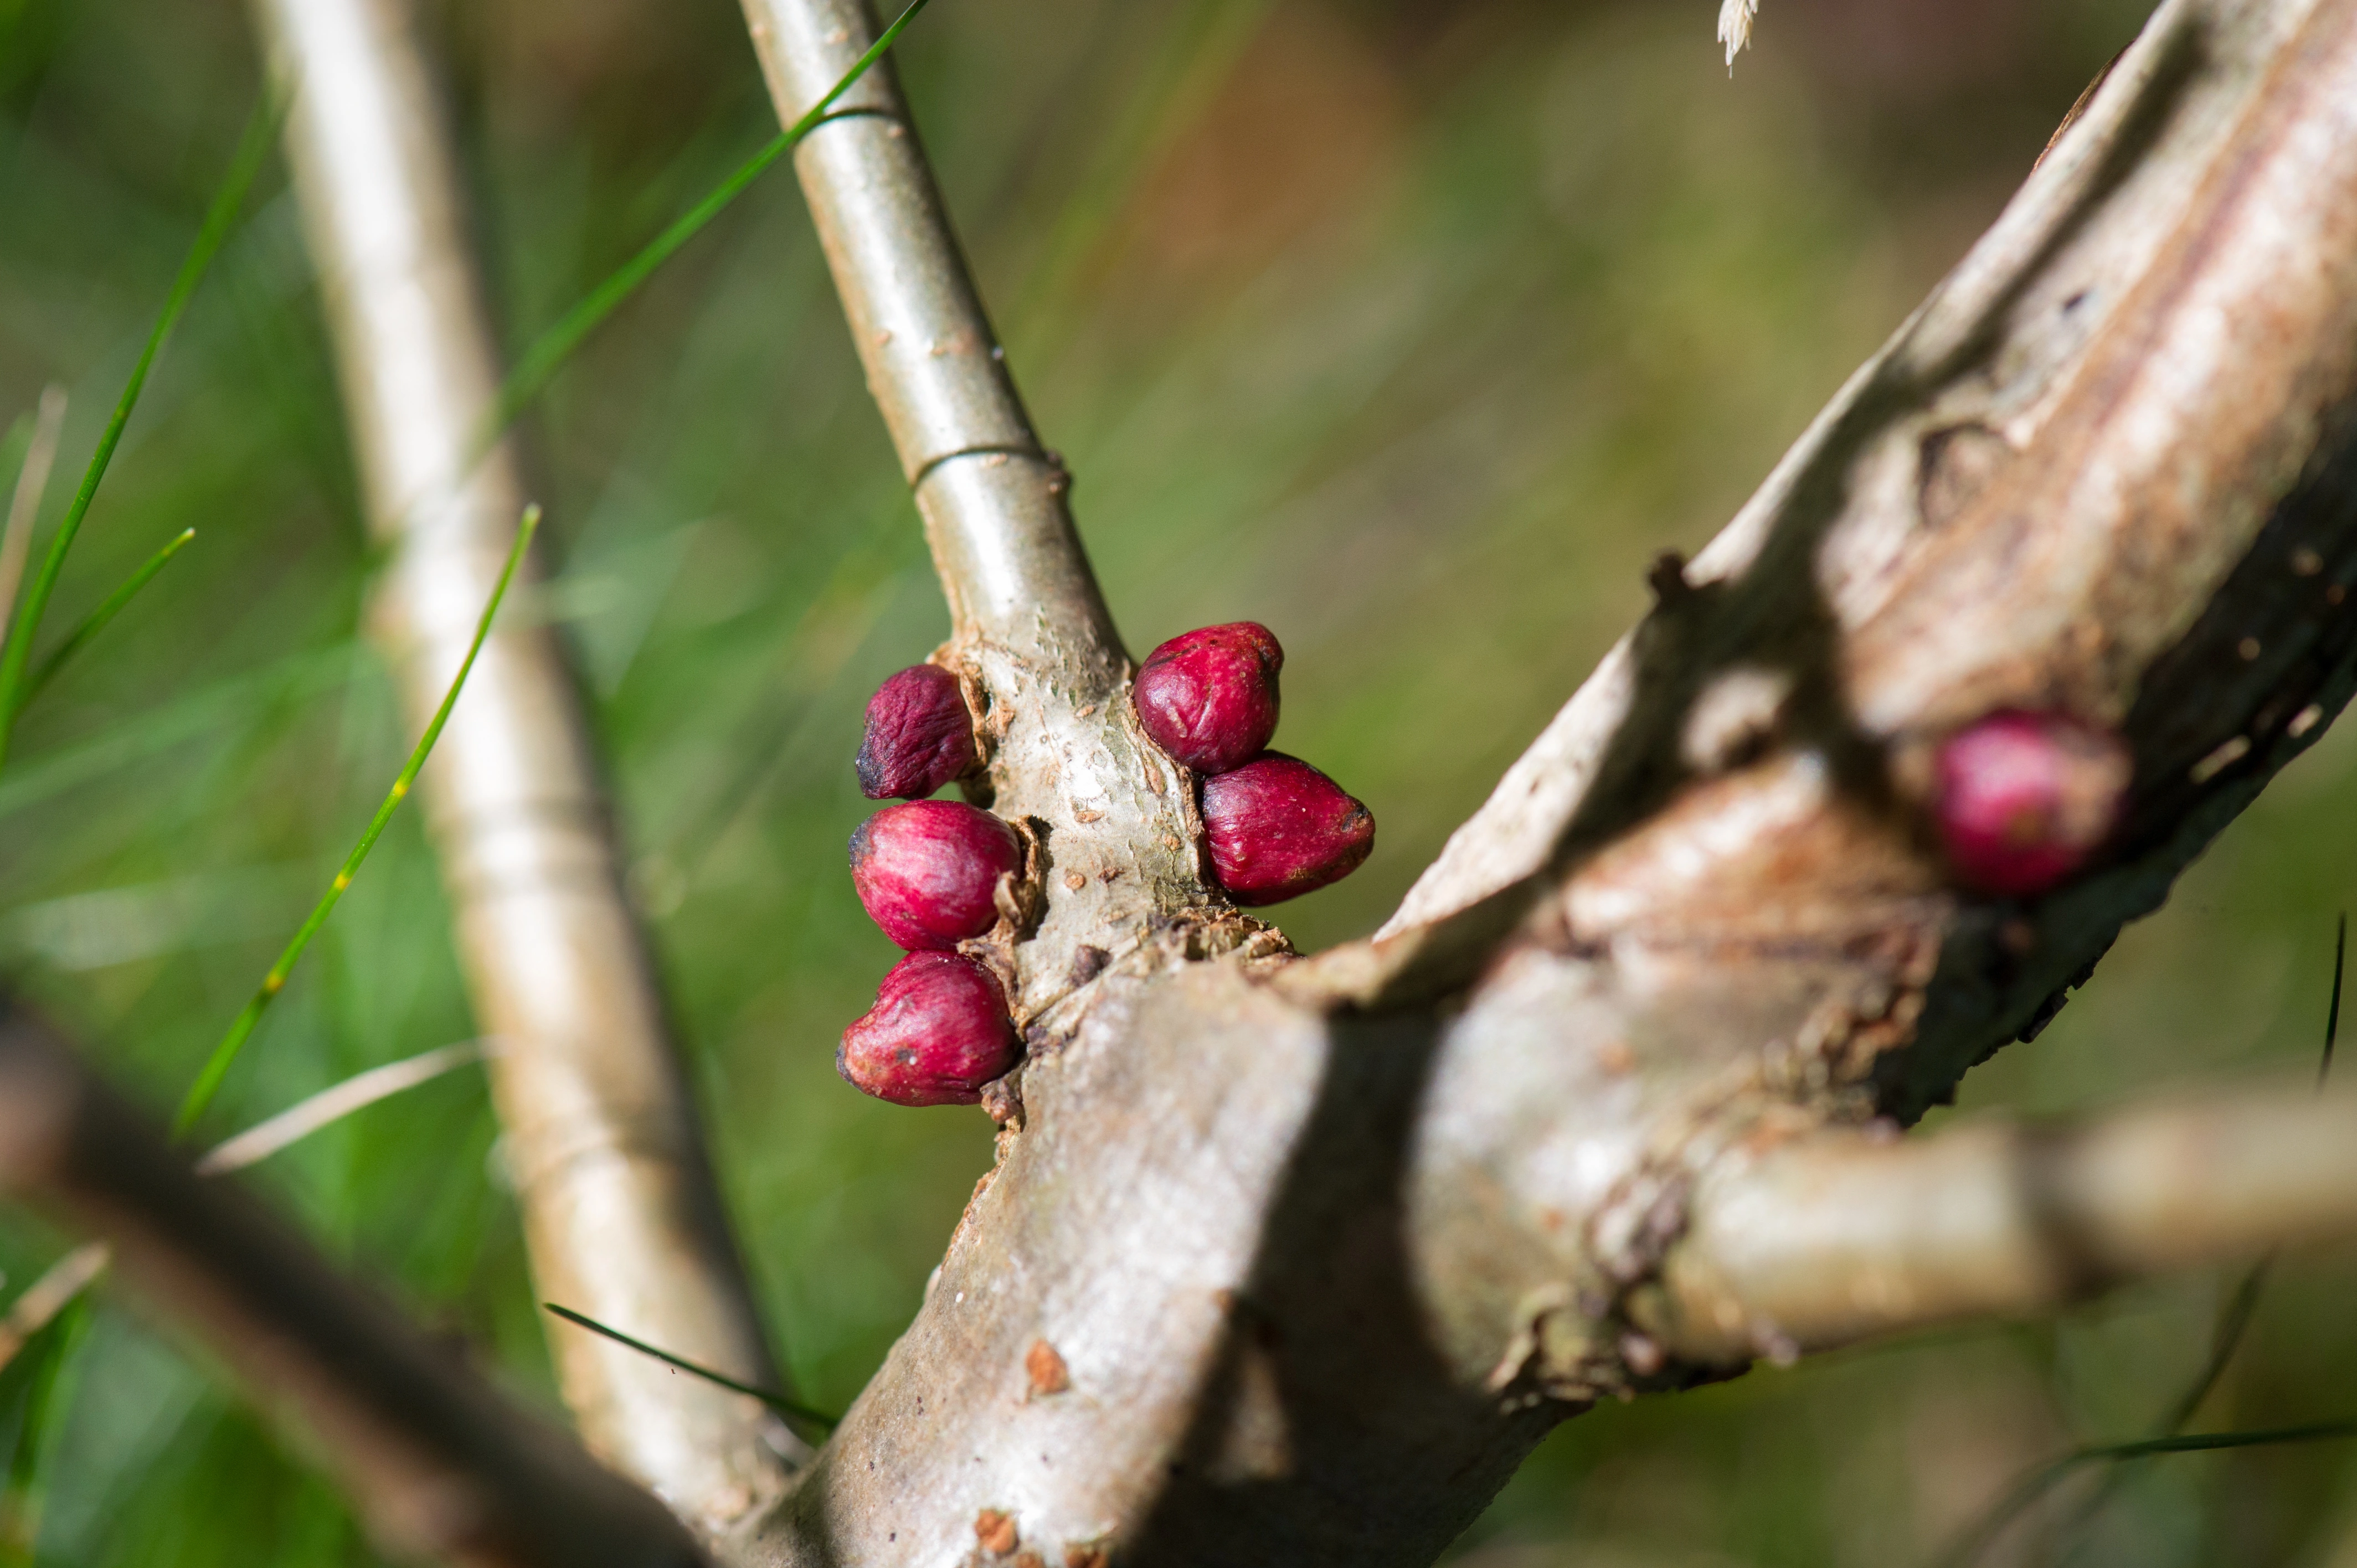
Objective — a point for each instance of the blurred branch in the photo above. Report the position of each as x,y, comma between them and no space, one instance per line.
41,1300
621,1214
1841,1237
439,1464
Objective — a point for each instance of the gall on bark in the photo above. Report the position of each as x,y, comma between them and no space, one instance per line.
2022,799
920,735
1278,828
928,871
1209,697
939,1032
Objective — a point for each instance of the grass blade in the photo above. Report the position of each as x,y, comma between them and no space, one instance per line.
49,1395
332,1104
200,1093
15,654
39,1305
776,1401
2332,1013
2043,1479
24,505
95,622
555,346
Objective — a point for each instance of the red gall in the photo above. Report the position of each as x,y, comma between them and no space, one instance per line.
1278,828
2022,799
938,1031
928,871
1209,697
919,737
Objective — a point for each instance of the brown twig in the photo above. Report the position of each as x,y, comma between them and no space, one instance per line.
437,1463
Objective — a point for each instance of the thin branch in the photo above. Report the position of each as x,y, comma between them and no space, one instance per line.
621,1215
1030,627
439,1464
1841,1237
993,498
24,503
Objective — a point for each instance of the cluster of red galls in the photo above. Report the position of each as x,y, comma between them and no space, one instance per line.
2019,801
933,874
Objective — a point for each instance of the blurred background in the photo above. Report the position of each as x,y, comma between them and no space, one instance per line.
1410,328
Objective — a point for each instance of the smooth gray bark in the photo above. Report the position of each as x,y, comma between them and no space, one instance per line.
621,1215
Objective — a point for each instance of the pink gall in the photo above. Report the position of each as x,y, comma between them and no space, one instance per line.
2022,799
928,871
939,1032
1278,828
919,737
1209,697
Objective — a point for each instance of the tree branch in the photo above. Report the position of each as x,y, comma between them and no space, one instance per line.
439,1464
1122,874
1323,1252
621,1214
1844,1235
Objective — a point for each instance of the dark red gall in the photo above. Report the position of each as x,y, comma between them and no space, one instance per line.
928,871
1209,697
938,1031
1279,828
920,735
2022,799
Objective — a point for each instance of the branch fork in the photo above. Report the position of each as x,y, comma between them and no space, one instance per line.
1321,1248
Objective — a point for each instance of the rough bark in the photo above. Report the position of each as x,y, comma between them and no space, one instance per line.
1320,1250
439,1464
621,1215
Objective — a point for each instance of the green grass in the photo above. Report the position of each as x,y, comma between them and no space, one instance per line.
241,1029
1411,331
16,681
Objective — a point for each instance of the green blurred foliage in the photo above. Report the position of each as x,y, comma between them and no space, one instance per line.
1411,328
